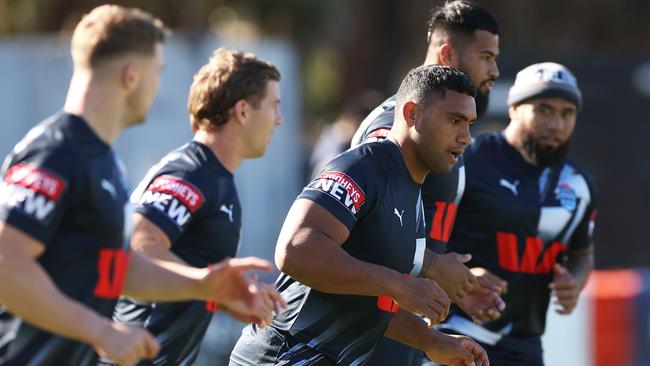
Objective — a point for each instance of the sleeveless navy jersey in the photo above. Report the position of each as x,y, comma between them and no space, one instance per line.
190,196
517,220
370,191
62,185
441,193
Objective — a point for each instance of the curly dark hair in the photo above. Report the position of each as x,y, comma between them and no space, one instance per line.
424,83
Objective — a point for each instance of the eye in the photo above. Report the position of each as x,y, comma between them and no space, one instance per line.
568,113
543,109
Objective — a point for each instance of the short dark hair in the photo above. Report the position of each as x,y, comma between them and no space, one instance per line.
424,83
227,78
110,30
460,18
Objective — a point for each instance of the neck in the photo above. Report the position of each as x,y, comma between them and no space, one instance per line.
416,169
225,144
431,57
513,134
98,103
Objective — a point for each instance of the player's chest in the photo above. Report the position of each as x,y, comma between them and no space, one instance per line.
102,209
543,201
394,234
219,231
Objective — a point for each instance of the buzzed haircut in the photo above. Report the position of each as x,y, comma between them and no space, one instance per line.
229,76
460,18
425,83
110,30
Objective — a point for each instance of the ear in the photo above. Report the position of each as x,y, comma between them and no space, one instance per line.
410,112
512,112
447,55
241,111
129,75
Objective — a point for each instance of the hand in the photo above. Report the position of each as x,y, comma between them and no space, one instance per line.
125,345
490,281
424,297
455,350
271,298
484,303
450,272
227,284
565,288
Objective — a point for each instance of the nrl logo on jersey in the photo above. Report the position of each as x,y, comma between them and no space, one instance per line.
31,189
341,187
176,197
566,195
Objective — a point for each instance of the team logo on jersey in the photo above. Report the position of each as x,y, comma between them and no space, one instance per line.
341,187
566,195
32,189
178,198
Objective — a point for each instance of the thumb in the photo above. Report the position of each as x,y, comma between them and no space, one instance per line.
464,258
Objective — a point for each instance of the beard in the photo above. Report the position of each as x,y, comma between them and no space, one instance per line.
544,155
482,102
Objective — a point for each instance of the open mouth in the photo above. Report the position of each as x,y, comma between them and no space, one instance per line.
455,154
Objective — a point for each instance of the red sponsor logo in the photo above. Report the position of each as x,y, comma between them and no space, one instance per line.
380,133
184,191
36,179
343,188
536,258
112,267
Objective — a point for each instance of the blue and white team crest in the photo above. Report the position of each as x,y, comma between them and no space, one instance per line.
566,195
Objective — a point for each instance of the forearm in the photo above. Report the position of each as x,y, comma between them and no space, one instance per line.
407,328
149,239
580,265
317,261
157,251
28,292
159,280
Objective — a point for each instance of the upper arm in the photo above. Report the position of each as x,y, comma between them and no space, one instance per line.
16,243
169,203
146,233
37,190
328,208
307,217
307,223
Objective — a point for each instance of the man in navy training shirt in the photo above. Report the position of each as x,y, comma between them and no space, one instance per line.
62,204
352,247
528,214
465,36
187,208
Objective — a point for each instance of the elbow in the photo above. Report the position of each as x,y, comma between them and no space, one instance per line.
280,258
283,257
289,257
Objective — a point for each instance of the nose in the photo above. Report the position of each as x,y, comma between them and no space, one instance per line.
279,119
465,137
494,70
555,123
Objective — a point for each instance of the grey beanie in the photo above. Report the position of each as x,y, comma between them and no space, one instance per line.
546,79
